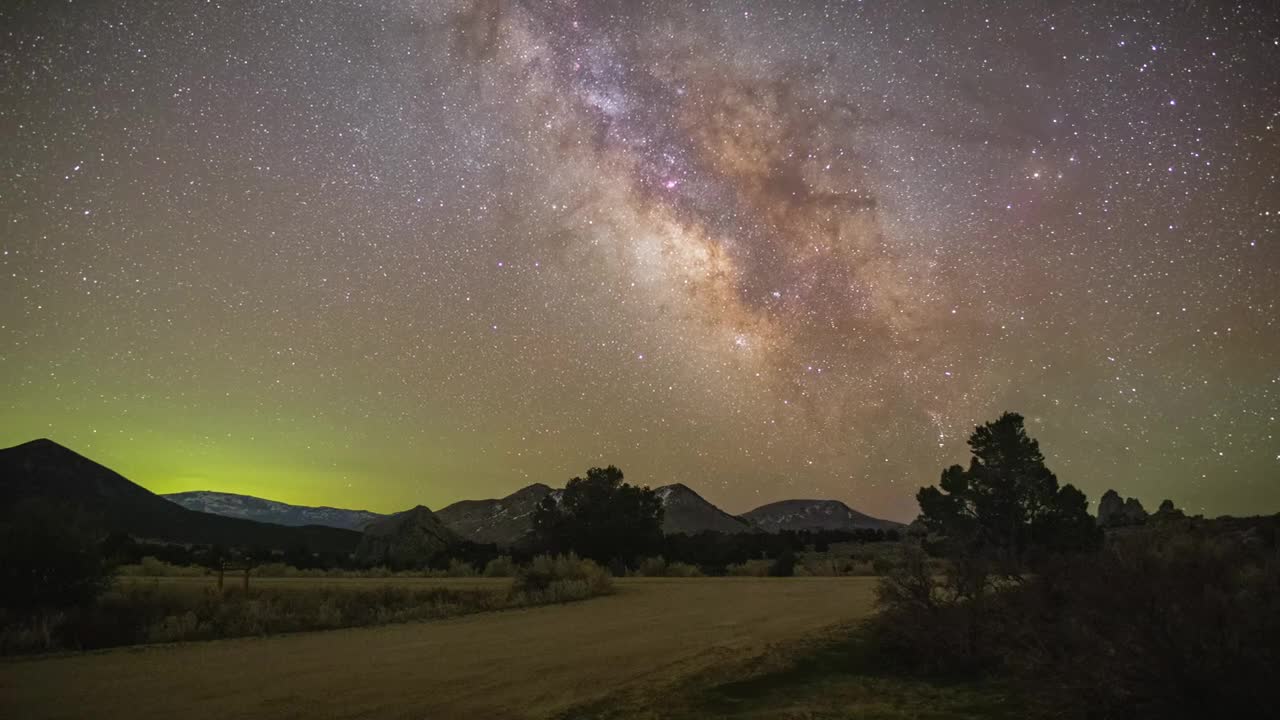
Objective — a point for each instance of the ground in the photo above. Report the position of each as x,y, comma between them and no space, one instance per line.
834,675
533,663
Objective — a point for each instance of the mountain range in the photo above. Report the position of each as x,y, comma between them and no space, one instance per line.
44,470
508,520
249,507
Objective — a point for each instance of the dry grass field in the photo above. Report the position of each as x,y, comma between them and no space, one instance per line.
233,580
515,664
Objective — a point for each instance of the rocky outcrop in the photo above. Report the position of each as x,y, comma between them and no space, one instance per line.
1116,512
1167,512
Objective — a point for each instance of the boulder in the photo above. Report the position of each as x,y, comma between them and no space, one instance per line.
1110,509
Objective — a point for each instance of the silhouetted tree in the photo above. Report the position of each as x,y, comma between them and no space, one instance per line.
602,518
1006,503
988,521
49,560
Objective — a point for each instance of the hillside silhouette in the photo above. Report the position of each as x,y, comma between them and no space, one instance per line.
44,470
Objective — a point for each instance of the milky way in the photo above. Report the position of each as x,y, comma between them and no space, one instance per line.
387,253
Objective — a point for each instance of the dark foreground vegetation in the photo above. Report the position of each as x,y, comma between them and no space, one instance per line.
1176,617
146,610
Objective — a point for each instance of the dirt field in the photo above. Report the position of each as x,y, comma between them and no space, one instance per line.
515,664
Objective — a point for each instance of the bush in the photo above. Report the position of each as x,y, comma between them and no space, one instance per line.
272,570
150,566
924,624
784,565
460,569
652,567
679,569
659,567
882,566
501,566
750,568
560,578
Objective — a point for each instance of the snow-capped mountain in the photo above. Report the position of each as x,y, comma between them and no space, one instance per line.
270,511
814,515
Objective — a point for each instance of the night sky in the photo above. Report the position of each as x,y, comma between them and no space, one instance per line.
373,254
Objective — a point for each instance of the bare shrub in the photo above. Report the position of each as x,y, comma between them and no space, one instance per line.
659,567
460,569
679,569
275,570
652,567
920,624
501,566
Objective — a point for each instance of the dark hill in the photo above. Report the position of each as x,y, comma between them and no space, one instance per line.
685,511
504,521
44,470
814,515
409,539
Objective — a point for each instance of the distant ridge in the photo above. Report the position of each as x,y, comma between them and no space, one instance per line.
508,521
271,511
504,521
814,515
44,470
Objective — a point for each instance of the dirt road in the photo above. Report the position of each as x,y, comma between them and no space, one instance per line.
515,664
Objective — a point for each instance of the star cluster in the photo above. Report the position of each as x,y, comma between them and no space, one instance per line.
376,254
